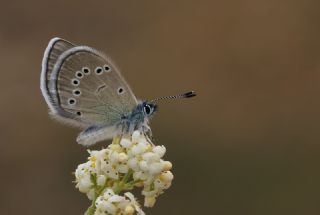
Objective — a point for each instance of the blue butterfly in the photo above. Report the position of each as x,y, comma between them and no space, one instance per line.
84,88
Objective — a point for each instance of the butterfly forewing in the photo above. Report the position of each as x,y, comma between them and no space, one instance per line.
88,89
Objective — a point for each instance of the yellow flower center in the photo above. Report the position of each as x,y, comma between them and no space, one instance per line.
93,160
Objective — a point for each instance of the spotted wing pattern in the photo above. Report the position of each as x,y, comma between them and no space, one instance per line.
85,88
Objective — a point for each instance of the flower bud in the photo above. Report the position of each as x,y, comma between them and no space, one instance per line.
129,210
166,176
126,143
123,157
160,150
136,135
101,180
149,201
143,165
155,168
167,165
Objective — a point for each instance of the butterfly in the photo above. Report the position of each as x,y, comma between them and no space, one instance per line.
82,87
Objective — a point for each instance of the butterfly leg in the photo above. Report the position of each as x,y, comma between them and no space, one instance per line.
125,127
147,131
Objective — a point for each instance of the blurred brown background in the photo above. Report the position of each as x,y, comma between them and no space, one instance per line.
247,144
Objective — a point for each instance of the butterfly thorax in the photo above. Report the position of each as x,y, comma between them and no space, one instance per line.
139,118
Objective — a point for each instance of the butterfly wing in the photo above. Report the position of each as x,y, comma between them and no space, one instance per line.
53,51
86,89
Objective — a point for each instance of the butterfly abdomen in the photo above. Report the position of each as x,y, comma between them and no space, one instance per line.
96,133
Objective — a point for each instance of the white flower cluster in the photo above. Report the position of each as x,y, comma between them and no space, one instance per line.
126,163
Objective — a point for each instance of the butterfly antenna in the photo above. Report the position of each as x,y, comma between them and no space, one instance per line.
179,96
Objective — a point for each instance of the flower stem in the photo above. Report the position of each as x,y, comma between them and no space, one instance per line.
122,184
92,208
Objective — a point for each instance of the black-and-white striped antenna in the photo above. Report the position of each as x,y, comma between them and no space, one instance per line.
179,96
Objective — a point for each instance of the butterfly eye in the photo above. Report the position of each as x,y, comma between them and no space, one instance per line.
86,70
107,68
78,113
147,109
79,74
75,82
98,70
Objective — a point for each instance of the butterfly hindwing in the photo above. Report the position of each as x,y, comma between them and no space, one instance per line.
53,51
87,89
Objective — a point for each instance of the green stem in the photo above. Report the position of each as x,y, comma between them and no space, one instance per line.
126,176
92,208
133,183
121,185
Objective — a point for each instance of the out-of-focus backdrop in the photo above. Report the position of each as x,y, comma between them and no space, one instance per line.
247,144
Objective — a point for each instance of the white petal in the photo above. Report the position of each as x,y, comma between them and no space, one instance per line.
123,204
136,135
140,175
101,180
143,165
160,150
144,176
133,164
136,175
150,157
167,165
155,168
108,193
83,189
130,196
99,155
99,212
160,185
123,168
83,169
116,198
114,157
113,174
139,211
149,201
126,143
110,208
139,148
129,210
94,153
84,185
167,185
123,157
101,205
166,176
106,166
135,203
135,150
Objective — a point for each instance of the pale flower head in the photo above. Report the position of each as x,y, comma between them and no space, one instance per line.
129,162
